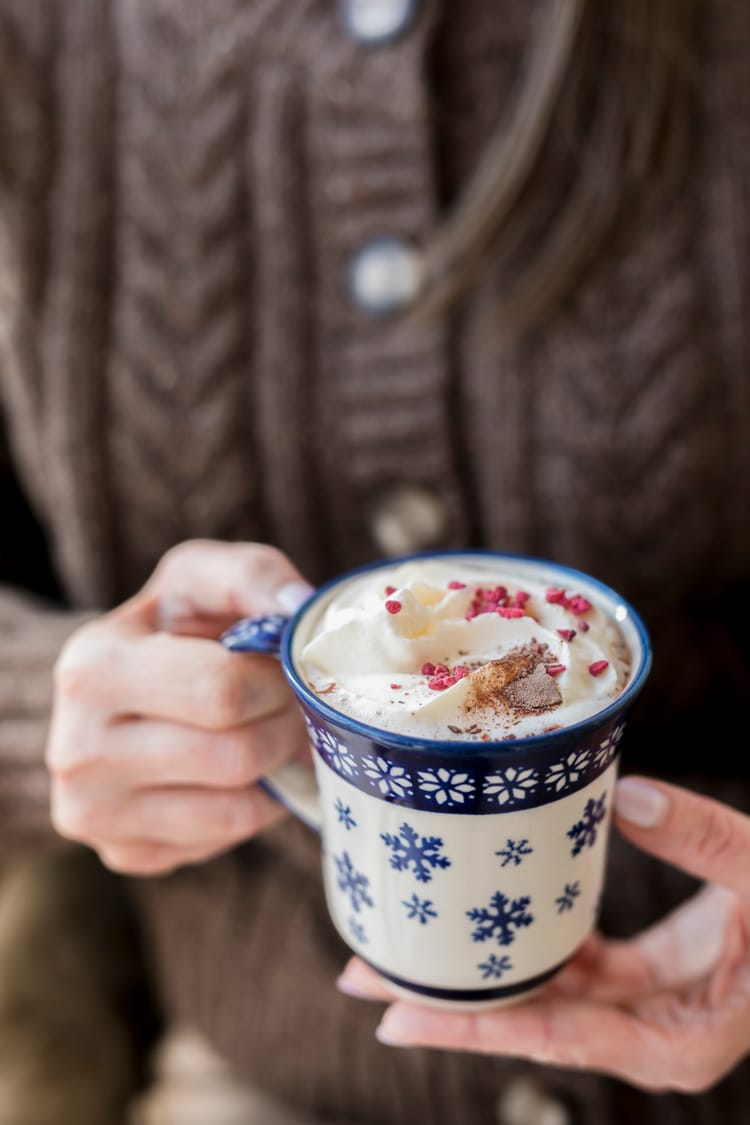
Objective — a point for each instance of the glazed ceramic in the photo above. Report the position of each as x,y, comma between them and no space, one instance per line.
465,873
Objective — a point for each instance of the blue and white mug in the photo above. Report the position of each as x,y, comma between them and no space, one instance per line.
467,874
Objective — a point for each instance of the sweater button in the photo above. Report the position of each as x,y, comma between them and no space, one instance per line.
385,275
375,22
407,518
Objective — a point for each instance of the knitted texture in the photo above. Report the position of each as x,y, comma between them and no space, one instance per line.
182,188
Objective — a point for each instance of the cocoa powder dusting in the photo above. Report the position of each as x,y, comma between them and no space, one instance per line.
517,684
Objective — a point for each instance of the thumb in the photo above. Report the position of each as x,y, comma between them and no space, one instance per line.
203,585
697,834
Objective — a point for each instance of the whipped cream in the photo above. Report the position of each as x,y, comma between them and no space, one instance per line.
461,647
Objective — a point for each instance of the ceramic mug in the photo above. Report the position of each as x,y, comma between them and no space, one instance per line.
467,874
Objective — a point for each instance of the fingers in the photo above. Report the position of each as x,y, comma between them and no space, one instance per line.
683,948
695,833
144,753
197,821
204,578
188,680
556,1032
150,857
359,980
664,1043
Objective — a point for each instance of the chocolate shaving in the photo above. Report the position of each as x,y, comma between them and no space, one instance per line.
517,684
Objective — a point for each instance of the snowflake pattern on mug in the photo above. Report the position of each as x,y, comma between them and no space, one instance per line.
607,749
337,754
446,786
562,775
391,780
511,786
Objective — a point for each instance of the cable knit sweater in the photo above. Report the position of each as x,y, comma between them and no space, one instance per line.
182,188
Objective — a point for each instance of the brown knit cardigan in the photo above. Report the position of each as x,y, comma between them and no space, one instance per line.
182,187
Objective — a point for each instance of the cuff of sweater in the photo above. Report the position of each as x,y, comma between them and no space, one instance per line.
31,636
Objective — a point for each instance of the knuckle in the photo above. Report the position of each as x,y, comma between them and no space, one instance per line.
716,839
71,818
237,762
233,816
226,701
138,861
263,559
180,556
697,1078
82,662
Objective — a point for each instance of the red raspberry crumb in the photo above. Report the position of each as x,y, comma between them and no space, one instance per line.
454,585
461,671
598,667
567,634
554,595
583,626
442,670
511,611
390,590
437,683
428,668
393,607
554,669
395,686
521,597
578,604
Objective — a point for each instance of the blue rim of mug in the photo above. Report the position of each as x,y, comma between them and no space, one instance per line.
445,746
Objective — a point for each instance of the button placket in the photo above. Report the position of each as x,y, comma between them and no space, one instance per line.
381,401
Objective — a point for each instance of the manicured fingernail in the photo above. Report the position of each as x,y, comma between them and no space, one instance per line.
351,986
399,1027
642,804
293,595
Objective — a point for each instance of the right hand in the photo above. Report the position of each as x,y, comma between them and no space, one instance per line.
159,734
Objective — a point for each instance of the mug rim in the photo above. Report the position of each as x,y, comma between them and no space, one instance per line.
414,743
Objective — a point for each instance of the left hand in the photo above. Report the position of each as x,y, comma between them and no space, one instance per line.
666,1010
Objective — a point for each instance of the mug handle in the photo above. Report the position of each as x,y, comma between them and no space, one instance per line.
291,784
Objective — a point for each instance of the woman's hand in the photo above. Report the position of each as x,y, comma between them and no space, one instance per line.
158,734
666,1010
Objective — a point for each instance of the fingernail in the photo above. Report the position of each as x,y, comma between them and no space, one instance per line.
293,595
352,988
399,1027
640,803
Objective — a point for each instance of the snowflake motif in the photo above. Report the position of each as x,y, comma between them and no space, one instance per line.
353,882
608,748
338,754
408,852
500,918
419,908
584,830
566,773
511,785
495,966
514,851
443,785
357,930
345,814
567,899
391,780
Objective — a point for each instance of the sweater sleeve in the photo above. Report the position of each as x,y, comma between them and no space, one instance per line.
31,636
